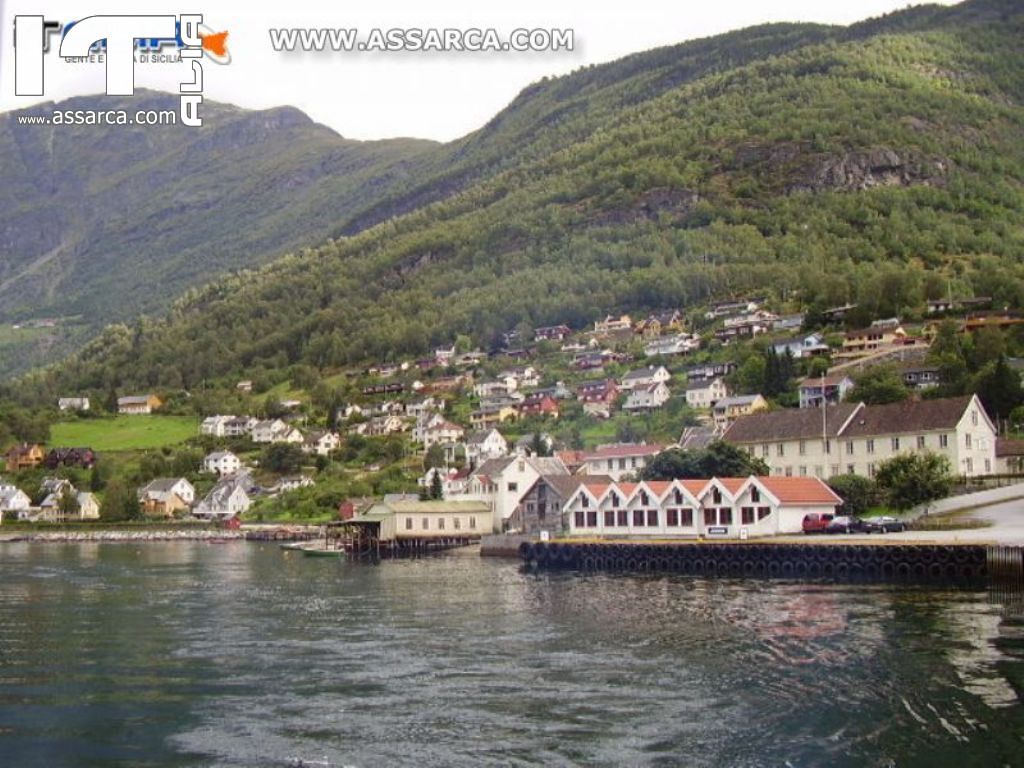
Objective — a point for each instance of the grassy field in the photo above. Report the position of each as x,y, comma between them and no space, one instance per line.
124,433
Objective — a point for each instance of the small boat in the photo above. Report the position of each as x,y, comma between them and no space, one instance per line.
292,545
321,552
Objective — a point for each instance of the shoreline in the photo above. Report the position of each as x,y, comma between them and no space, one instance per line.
114,535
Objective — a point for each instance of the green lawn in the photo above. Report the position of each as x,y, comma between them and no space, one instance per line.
124,433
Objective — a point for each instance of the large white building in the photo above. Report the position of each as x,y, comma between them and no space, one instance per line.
854,438
728,507
502,483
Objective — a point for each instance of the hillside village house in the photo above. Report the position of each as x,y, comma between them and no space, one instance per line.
679,344
730,308
491,415
380,425
24,456
644,377
275,431
659,323
228,498
853,438
539,405
1009,456
866,340
73,403
221,463
618,459
453,481
83,458
164,496
704,394
501,483
483,445
728,409
88,506
522,376
442,432
239,426
418,408
612,324
833,388
647,397
808,346
598,397
405,520
138,404
708,372
920,376
525,445
728,507
13,501
552,333
321,442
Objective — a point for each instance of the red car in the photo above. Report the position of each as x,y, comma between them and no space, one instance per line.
816,523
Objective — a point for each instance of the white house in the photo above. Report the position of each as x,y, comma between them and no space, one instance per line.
485,444
214,425
442,432
239,426
162,486
424,422
705,394
808,346
73,403
453,481
321,442
647,397
88,506
728,507
832,389
854,438
226,499
501,483
275,431
221,463
138,404
13,501
644,377
618,459
679,344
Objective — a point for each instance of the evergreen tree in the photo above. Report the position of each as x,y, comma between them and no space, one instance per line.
436,486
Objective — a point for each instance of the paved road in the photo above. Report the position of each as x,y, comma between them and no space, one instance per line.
1007,527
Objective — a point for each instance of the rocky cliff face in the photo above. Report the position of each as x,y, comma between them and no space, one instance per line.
881,167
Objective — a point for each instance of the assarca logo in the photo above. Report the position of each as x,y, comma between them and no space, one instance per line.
120,42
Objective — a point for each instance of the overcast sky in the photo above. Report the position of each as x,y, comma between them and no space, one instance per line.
430,95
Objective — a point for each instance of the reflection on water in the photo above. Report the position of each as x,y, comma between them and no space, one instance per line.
240,654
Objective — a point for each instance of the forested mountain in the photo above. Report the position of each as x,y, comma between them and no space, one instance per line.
882,163
100,223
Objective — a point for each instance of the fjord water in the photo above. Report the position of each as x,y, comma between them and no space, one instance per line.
240,654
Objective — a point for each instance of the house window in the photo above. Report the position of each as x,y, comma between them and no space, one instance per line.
652,518
747,515
850,470
780,450
967,439
803,447
638,518
623,517
895,444
615,499
871,469
622,463
827,446
678,496
920,441
725,516
716,495
644,499
755,495
426,523
803,471
871,446
440,523
764,450
584,500
592,518
763,512
686,517
988,466
456,523
709,516
974,418
611,464
672,518
609,518
789,471
513,487
817,470
578,518
970,465
943,441
472,522
849,447
408,523
834,470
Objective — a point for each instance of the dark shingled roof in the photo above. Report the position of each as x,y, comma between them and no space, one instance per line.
908,416
792,424
868,421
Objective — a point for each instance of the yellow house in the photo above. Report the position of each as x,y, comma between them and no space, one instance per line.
488,417
138,404
441,519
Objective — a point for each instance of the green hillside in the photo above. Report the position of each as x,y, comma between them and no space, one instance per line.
99,224
881,163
